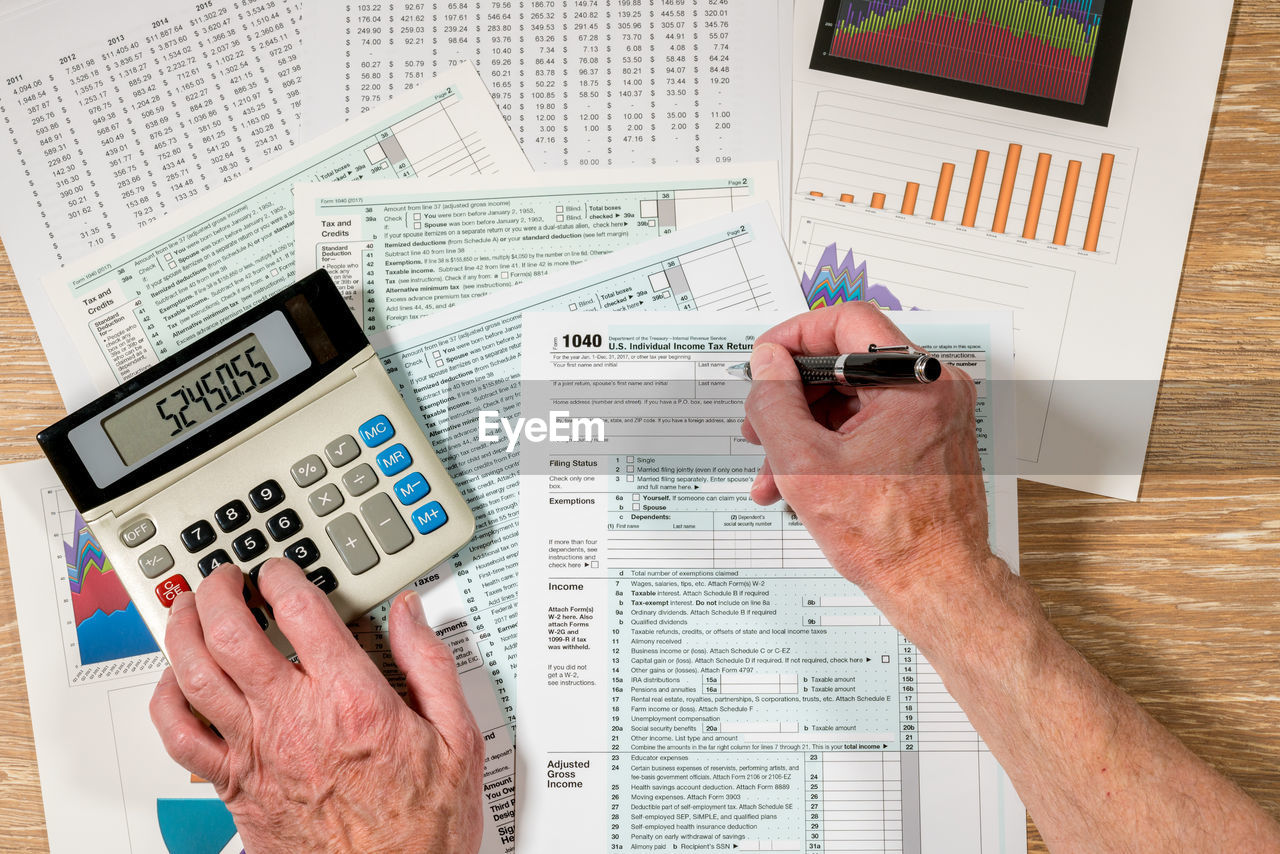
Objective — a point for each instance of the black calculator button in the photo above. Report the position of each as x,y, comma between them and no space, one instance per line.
212,561
303,553
198,536
250,545
231,515
266,495
323,578
284,525
260,617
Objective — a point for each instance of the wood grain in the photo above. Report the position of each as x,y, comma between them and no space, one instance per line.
1175,598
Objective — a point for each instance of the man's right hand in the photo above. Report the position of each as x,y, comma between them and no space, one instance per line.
887,480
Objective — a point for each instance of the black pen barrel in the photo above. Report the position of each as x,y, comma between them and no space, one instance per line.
869,369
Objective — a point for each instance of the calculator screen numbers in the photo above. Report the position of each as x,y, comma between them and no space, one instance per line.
227,379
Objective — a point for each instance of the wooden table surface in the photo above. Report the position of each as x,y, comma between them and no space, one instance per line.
1176,597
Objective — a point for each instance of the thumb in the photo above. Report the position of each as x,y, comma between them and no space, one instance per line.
429,669
779,412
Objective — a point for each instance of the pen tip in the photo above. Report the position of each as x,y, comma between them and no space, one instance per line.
742,371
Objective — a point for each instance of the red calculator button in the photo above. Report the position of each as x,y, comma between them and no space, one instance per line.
168,590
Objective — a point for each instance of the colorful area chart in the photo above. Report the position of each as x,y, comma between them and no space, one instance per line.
195,825
831,283
108,626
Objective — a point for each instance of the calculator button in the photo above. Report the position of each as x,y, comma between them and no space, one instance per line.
231,515
260,617
283,525
307,470
198,536
155,562
360,479
325,500
212,561
342,450
376,430
137,532
352,543
394,460
168,590
323,578
303,553
383,519
266,495
429,517
412,489
250,545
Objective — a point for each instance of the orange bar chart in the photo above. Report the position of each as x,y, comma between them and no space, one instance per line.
1068,203
909,198
877,201
975,188
847,198
1037,197
1011,162
944,192
1099,202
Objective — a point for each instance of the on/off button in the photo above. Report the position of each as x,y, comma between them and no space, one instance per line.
137,532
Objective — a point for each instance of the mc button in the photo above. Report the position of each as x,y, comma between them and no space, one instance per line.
376,430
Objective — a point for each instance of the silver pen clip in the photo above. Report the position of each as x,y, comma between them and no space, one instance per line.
896,348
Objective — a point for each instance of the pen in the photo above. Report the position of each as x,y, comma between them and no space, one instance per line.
883,366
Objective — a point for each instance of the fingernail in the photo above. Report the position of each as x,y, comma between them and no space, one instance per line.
413,602
762,358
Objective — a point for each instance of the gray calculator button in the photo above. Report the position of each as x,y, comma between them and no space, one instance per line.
382,517
137,532
155,562
360,479
326,499
342,450
308,470
352,543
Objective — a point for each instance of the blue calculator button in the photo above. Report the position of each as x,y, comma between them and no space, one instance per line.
428,517
394,460
376,430
412,489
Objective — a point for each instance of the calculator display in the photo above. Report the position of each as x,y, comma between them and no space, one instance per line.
223,382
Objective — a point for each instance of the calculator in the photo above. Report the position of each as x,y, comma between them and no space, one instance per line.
277,435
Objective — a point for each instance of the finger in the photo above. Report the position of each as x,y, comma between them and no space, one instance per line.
764,490
811,394
191,744
430,671
779,412
236,642
207,687
307,618
845,328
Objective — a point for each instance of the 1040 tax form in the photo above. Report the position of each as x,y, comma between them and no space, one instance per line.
693,674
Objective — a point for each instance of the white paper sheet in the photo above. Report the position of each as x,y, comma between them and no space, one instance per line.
693,674
1091,325
599,84
400,250
91,667
146,295
453,365
115,115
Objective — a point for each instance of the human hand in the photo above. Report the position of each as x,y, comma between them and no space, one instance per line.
322,755
887,480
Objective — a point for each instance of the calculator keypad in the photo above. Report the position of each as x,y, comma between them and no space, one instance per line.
198,537
303,553
266,495
384,520
326,499
231,515
283,525
349,538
